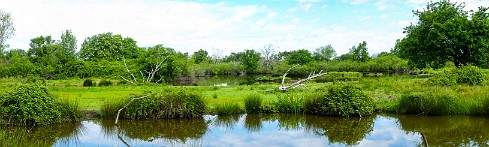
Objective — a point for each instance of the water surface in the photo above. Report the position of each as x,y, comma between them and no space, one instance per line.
266,130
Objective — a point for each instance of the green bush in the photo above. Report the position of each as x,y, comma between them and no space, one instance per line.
340,100
253,103
33,105
88,83
430,104
227,109
469,75
104,82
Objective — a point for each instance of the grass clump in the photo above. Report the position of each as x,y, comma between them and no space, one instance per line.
104,82
340,100
30,105
430,103
289,103
253,103
180,104
88,83
227,109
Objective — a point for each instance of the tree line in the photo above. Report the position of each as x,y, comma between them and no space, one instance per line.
445,33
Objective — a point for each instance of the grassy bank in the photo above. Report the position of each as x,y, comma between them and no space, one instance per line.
410,94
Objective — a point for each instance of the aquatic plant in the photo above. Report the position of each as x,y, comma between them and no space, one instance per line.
253,103
227,109
289,103
104,82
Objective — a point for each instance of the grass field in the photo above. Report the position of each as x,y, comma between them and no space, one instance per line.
386,91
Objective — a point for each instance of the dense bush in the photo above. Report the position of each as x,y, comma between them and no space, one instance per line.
180,104
469,74
430,103
253,103
340,100
104,82
33,105
88,83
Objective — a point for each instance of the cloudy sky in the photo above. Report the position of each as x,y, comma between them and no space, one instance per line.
226,25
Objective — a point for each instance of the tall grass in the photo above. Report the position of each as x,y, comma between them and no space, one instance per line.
180,104
253,103
227,109
289,103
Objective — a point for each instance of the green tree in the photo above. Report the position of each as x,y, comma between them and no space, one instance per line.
174,63
7,29
108,46
360,52
68,43
43,53
301,56
250,60
200,56
446,32
324,53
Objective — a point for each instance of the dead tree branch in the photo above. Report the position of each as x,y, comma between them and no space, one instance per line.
150,76
298,83
130,102
133,77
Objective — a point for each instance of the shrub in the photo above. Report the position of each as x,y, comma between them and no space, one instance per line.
104,83
340,100
227,109
253,103
288,103
430,104
88,83
470,75
33,105
180,104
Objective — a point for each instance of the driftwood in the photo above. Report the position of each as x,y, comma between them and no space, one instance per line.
130,102
298,83
147,78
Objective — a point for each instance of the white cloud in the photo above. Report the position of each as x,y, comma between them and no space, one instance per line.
383,16
355,2
383,4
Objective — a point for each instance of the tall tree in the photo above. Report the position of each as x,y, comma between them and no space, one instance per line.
267,53
301,56
108,46
446,32
360,52
200,56
324,53
68,43
250,60
7,29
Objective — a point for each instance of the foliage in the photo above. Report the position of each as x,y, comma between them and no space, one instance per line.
446,32
360,53
33,105
88,83
340,99
301,56
470,75
289,103
7,29
253,103
227,109
200,56
175,64
324,53
109,47
250,60
180,104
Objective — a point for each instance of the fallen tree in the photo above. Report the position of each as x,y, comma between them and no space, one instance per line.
313,75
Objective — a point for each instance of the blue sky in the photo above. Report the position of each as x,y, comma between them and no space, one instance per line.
222,26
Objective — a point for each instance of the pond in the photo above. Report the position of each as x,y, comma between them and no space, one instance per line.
264,130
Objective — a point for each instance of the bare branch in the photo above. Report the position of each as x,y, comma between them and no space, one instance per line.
130,102
299,83
127,80
134,78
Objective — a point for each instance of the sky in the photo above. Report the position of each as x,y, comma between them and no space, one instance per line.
222,26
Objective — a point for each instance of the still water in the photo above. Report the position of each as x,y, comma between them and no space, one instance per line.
268,130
